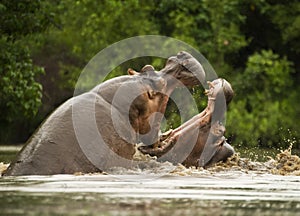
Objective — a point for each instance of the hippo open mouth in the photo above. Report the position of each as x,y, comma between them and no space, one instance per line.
205,130
180,70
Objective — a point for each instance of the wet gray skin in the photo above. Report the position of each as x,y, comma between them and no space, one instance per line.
205,131
68,140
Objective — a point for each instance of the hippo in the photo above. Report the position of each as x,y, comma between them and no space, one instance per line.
205,130
99,129
119,109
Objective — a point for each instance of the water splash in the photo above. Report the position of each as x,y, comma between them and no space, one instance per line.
3,167
284,163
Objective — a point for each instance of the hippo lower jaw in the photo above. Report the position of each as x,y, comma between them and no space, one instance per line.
210,146
225,151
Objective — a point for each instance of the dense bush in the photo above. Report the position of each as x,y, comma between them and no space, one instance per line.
262,105
20,93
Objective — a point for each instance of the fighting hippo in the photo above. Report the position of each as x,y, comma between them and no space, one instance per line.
99,129
205,131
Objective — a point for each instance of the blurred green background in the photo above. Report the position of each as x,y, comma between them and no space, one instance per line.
254,44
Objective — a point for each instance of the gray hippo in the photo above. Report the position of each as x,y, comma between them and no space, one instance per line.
205,131
99,129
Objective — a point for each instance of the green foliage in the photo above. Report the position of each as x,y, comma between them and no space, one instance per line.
22,17
262,106
20,93
212,26
286,17
96,25
88,26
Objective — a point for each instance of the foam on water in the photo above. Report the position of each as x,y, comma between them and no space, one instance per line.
285,163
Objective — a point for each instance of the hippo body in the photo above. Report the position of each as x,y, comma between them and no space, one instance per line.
119,109
54,147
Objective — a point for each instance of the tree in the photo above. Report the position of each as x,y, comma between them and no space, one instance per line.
20,93
262,103
83,28
211,26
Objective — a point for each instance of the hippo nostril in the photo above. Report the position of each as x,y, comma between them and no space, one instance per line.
172,59
183,55
180,54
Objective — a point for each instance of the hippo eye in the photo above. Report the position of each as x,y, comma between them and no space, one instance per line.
151,94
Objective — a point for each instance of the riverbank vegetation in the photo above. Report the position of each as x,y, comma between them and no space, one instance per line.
253,44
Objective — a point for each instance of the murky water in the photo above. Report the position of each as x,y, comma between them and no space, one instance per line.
224,193
238,187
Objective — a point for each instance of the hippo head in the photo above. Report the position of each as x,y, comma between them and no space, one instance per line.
148,101
184,68
180,69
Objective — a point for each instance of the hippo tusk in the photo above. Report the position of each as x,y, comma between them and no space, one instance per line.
206,92
165,135
210,84
151,94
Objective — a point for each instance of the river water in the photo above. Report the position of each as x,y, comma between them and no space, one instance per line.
237,187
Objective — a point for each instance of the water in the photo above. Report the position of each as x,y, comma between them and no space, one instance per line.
222,193
238,187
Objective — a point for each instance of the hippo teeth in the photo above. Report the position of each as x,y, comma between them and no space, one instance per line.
210,84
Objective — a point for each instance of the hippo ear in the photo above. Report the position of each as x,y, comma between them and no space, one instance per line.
147,68
130,71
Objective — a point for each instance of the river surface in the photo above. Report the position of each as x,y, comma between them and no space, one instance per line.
224,193
238,187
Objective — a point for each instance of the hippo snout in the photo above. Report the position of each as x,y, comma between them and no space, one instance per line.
224,152
185,68
227,150
182,55
192,65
